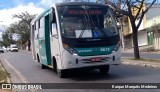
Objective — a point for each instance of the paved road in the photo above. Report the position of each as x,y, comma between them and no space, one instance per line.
24,70
143,55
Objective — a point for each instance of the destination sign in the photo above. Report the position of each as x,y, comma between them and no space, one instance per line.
96,12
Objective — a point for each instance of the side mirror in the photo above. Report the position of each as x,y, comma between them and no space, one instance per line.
54,30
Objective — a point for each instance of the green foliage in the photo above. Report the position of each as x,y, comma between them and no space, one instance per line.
21,28
25,18
7,39
7,36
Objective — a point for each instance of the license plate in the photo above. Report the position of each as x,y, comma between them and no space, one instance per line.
95,59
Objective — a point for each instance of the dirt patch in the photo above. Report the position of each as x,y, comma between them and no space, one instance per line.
3,75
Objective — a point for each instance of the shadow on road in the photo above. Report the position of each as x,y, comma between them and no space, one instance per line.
115,73
93,76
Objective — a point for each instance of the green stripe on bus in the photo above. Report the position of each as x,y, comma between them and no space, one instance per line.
94,51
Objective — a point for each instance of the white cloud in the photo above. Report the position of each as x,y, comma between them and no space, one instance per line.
48,3
6,14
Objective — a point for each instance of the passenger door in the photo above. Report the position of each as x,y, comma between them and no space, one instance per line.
44,41
54,39
36,38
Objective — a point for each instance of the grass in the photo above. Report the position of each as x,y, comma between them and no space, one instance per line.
3,75
3,78
147,60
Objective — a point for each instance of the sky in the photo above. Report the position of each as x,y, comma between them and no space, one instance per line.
10,7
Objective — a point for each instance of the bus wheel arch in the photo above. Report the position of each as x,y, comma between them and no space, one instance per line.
59,72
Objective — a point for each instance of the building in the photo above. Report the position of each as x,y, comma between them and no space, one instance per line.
145,35
153,26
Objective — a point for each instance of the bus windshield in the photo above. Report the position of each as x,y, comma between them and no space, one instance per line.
84,21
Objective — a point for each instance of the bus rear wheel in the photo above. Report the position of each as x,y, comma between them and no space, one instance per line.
104,70
42,65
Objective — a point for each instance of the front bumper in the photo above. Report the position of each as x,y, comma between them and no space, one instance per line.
74,61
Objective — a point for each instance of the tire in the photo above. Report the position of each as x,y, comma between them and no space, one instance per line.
104,70
61,73
43,66
54,65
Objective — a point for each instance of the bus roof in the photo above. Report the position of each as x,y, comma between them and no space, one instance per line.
78,3
42,14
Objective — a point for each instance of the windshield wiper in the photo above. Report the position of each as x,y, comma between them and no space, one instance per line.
80,36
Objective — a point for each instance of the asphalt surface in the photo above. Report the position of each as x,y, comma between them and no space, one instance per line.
24,70
142,55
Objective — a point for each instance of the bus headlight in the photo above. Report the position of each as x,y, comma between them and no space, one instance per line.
117,46
69,49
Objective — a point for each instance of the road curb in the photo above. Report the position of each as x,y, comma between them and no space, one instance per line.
141,63
158,52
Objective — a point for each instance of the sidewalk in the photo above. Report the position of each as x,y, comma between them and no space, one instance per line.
143,49
127,61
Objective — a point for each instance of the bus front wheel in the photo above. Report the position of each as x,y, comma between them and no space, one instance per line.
104,70
54,65
61,73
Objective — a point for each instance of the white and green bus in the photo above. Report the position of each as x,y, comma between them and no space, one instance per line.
76,35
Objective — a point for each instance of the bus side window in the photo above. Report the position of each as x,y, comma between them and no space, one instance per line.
53,24
36,30
41,27
33,33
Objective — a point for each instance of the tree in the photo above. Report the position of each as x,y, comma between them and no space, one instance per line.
6,39
23,27
135,10
7,36
22,31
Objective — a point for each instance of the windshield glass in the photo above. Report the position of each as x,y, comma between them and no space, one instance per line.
86,21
